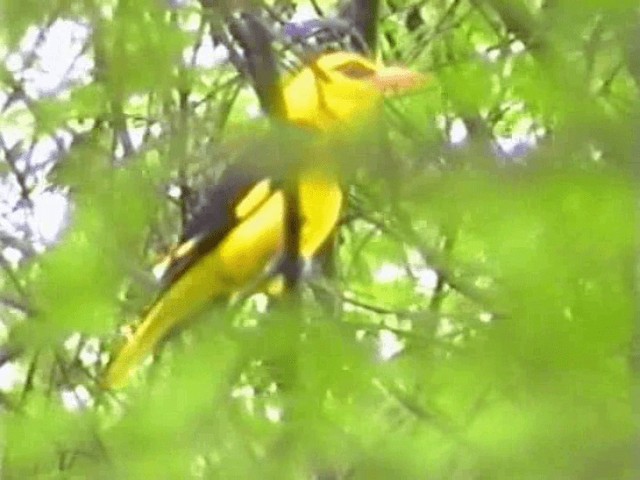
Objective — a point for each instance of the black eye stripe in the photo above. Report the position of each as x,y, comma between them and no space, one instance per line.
355,70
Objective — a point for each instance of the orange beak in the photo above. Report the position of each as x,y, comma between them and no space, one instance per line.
390,80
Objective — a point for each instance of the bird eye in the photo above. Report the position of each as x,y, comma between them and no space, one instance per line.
355,70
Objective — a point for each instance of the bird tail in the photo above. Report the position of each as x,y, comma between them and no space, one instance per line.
155,326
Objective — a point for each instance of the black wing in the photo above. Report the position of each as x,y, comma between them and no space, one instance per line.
212,220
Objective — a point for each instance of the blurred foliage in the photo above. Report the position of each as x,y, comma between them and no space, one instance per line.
479,322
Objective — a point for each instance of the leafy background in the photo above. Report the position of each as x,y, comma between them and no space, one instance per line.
478,322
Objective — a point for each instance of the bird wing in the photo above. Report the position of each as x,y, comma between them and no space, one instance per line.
230,246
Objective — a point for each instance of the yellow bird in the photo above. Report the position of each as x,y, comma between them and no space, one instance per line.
230,244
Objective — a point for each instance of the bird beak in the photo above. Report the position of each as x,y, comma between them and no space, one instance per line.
390,80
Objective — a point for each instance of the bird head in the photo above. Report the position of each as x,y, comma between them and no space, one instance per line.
340,86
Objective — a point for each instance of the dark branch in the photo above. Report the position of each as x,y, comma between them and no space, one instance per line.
363,15
255,39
